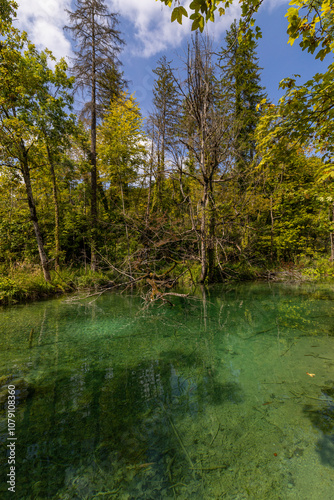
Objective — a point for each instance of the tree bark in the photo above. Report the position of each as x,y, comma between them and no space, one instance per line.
56,207
271,230
150,183
211,236
126,226
34,219
93,155
331,234
161,164
203,239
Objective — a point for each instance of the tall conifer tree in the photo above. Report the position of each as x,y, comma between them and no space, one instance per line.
240,81
166,103
98,40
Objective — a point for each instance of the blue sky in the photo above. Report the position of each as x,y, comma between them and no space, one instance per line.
149,34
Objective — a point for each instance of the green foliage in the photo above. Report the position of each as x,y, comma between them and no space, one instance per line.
178,13
34,120
121,141
316,267
296,221
25,283
202,11
314,23
188,193
86,280
240,86
7,10
304,116
33,98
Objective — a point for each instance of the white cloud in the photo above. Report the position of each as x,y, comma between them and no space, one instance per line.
151,28
44,20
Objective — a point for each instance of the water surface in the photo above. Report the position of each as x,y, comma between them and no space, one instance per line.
209,399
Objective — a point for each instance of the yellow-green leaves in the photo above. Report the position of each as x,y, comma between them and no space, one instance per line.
7,11
202,11
177,14
313,22
121,147
34,99
198,22
304,116
261,103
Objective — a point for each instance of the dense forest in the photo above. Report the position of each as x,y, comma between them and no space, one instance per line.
217,183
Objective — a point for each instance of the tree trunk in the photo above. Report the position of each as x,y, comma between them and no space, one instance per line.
150,184
93,171
126,226
33,216
205,307
203,239
212,234
102,194
56,207
331,235
161,165
271,230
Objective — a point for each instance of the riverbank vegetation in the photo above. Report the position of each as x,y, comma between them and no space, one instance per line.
218,183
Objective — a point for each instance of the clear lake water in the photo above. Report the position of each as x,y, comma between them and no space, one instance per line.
227,395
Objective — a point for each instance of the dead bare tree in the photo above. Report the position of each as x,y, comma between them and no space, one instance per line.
210,142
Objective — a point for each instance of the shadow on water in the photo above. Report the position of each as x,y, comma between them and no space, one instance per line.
127,430
325,449
322,418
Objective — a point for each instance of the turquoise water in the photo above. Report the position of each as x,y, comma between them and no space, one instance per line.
209,399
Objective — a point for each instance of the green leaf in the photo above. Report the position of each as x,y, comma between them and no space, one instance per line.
177,14
198,22
195,24
195,5
183,11
174,15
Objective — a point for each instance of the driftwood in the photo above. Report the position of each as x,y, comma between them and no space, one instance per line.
155,283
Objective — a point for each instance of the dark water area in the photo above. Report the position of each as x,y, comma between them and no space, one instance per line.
225,395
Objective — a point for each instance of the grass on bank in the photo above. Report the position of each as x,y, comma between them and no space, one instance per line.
25,282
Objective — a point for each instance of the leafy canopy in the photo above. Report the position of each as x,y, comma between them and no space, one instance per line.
202,11
312,20
121,139
304,116
7,11
34,99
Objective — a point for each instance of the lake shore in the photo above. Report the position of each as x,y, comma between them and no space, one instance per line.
26,283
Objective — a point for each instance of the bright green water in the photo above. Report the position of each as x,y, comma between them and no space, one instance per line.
209,399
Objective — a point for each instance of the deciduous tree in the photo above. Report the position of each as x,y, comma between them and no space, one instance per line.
311,20
27,86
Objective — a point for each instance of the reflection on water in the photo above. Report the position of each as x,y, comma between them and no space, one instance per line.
209,399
